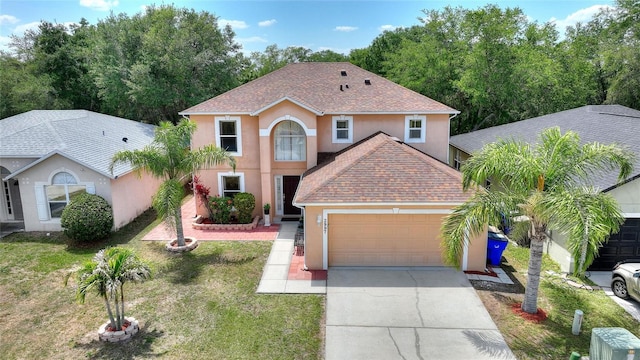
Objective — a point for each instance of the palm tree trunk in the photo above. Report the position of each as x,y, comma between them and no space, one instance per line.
122,303
118,319
530,303
179,229
108,306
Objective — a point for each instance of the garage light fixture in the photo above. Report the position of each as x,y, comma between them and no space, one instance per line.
319,219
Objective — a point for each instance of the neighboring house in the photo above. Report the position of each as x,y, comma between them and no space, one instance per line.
47,156
284,124
606,124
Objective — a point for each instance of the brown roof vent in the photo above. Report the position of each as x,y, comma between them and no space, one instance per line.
367,81
343,72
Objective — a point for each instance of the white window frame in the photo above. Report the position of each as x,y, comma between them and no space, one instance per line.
275,144
238,121
222,175
407,128
457,162
349,129
42,203
279,208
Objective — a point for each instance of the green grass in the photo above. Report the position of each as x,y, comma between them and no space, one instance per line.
199,305
552,339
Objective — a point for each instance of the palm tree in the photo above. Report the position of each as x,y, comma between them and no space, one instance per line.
106,274
169,158
549,187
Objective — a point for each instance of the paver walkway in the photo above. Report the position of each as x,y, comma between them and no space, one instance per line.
284,273
160,232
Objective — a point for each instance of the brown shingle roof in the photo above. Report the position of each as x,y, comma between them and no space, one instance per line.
381,170
317,86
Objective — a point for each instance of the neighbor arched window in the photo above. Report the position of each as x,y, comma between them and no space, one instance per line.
62,190
290,142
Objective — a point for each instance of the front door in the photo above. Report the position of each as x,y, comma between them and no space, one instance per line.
289,187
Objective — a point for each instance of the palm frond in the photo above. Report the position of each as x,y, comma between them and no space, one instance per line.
168,200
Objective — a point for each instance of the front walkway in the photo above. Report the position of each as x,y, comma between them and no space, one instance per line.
160,232
283,272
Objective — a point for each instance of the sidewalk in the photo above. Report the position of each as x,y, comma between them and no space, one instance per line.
283,273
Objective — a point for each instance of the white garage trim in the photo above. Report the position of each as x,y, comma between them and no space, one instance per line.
390,211
631,215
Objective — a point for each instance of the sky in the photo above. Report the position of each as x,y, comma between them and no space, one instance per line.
317,25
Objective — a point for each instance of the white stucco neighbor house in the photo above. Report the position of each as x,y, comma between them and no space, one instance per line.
47,156
606,124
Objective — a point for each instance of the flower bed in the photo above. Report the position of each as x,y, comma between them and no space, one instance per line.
199,225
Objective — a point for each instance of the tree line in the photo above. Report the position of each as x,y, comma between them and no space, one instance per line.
494,65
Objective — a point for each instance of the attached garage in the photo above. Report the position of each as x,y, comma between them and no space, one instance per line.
621,246
381,202
384,240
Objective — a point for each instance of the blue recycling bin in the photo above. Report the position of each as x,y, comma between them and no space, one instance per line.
496,243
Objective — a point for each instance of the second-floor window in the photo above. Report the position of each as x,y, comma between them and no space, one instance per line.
457,162
228,136
290,142
342,129
415,128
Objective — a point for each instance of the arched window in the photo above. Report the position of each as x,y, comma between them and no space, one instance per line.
62,190
290,142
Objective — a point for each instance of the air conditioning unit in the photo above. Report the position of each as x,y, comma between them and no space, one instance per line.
613,343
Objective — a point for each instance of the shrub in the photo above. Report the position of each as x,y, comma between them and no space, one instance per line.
220,209
87,217
244,203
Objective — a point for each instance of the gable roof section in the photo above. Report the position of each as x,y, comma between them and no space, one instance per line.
89,138
321,88
606,124
381,169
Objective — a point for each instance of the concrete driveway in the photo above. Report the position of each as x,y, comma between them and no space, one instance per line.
409,313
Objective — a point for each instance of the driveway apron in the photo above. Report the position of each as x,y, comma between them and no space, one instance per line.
408,313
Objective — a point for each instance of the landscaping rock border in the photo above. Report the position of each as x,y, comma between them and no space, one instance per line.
117,336
197,224
180,249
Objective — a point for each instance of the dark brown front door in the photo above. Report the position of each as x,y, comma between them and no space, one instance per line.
290,185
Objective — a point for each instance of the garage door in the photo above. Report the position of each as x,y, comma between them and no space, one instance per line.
384,240
621,246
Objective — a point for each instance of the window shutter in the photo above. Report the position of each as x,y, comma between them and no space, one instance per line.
41,203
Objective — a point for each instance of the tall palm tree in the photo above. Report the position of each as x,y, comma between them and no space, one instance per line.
106,275
547,185
169,158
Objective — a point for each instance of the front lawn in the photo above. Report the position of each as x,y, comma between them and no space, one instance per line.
200,305
551,339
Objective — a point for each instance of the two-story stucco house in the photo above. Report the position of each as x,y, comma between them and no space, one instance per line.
362,158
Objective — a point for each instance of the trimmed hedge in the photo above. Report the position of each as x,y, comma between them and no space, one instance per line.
244,203
88,217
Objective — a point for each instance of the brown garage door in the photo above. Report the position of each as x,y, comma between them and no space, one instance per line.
384,240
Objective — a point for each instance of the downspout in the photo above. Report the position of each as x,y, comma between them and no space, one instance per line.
193,175
449,137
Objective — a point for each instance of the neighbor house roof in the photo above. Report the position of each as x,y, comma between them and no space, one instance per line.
86,137
606,124
381,169
322,89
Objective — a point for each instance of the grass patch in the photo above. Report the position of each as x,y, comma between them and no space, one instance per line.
199,305
552,338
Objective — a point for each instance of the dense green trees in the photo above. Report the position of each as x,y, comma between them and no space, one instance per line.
493,64
496,66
